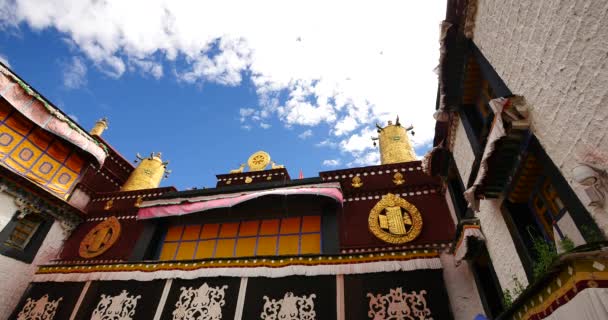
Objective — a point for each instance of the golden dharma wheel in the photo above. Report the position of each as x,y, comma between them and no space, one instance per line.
258,161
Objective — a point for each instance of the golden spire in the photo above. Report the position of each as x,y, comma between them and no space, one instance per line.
395,145
100,126
148,173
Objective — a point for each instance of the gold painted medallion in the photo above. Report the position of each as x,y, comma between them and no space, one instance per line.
100,238
395,220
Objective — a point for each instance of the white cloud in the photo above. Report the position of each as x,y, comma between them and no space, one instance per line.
332,162
366,159
74,74
337,71
4,60
327,143
265,125
305,135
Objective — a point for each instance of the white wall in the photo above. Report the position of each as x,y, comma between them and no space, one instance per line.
461,287
555,54
463,153
16,275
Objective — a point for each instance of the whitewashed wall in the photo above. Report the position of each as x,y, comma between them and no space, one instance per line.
461,287
555,54
16,275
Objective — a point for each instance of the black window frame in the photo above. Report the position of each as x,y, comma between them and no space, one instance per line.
29,252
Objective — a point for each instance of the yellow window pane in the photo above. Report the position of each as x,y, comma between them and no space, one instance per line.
225,248
186,251
168,251
229,230
174,233
245,247
289,245
191,232
311,243
269,227
311,224
267,246
248,228
290,225
205,249
210,231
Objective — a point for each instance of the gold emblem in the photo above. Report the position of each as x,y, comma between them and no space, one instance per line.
258,161
248,179
109,205
100,238
138,202
229,182
398,179
394,220
356,182
269,178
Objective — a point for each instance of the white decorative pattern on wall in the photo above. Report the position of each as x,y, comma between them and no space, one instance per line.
120,307
204,303
289,308
399,305
41,309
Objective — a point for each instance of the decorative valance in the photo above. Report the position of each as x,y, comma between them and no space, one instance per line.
510,120
182,206
270,267
468,233
29,103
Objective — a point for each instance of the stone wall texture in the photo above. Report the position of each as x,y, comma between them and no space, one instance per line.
16,275
501,248
555,54
461,287
463,154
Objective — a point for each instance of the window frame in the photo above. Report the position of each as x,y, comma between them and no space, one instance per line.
30,249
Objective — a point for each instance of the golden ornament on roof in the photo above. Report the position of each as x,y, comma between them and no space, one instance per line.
394,220
356,182
398,179
258,161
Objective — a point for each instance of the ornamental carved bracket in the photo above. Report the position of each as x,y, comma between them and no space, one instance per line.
395,220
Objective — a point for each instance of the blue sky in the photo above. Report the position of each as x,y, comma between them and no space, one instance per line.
210,85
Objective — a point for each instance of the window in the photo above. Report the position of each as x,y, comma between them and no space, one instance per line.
24,230
271,237
22,237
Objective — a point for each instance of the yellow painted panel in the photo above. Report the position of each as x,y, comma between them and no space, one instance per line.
168,251
288,245
210,231
64,178
269,227
205,249
186,250
191,232
311,243
248,228
290,225
311,224
9,138
26,154
267,246
245,247
46,167
174,233
229,230
224,248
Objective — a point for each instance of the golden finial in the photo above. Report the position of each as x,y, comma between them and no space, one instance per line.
100,126
395,145
148,173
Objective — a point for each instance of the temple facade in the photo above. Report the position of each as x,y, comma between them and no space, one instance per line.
505,218
521,144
